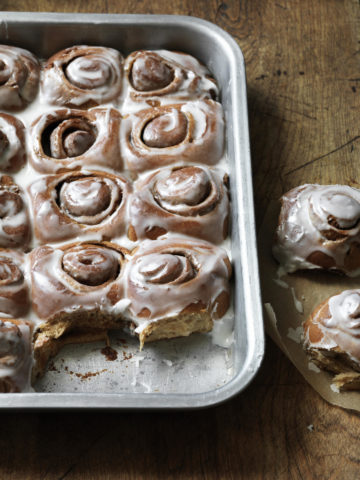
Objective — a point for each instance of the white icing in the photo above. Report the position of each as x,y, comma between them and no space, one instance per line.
310,209
313,367
14,146
103,82
191,81
295,334
298,305
20,372
342,327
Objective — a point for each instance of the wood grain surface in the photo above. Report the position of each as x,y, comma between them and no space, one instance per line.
303,72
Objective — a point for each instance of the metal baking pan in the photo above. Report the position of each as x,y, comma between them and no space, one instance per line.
186,372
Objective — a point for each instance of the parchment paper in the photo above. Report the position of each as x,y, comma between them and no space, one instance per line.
282,301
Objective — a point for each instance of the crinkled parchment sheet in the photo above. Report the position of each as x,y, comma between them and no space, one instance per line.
287,303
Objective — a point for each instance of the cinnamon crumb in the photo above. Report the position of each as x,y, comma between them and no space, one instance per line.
85,376
109,353
127,357
52,367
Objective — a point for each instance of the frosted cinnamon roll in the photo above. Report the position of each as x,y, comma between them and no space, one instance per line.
332,337
319,228
14,219
176,287
189,132
14,297
162,75
12,143
77,287
66,140
192,200
76,203
19,77
15,356
82,76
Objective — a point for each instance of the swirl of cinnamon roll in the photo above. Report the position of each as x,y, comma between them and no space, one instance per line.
82,76
14,219
190,132
77,203
77,286
66,140
177,287
15,356
19,77
319,228
12,143
191,200
14,299
159,76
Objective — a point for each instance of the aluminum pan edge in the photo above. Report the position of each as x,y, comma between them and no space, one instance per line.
244,197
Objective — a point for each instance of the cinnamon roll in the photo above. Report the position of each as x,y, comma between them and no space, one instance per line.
12,143
82,76
19,77
191,200
189,132
15,355
14,299
77,287
176,287
14,219
332,337
66,140
157,76
319,228
76,203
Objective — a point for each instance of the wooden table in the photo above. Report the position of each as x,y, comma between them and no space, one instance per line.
303,68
